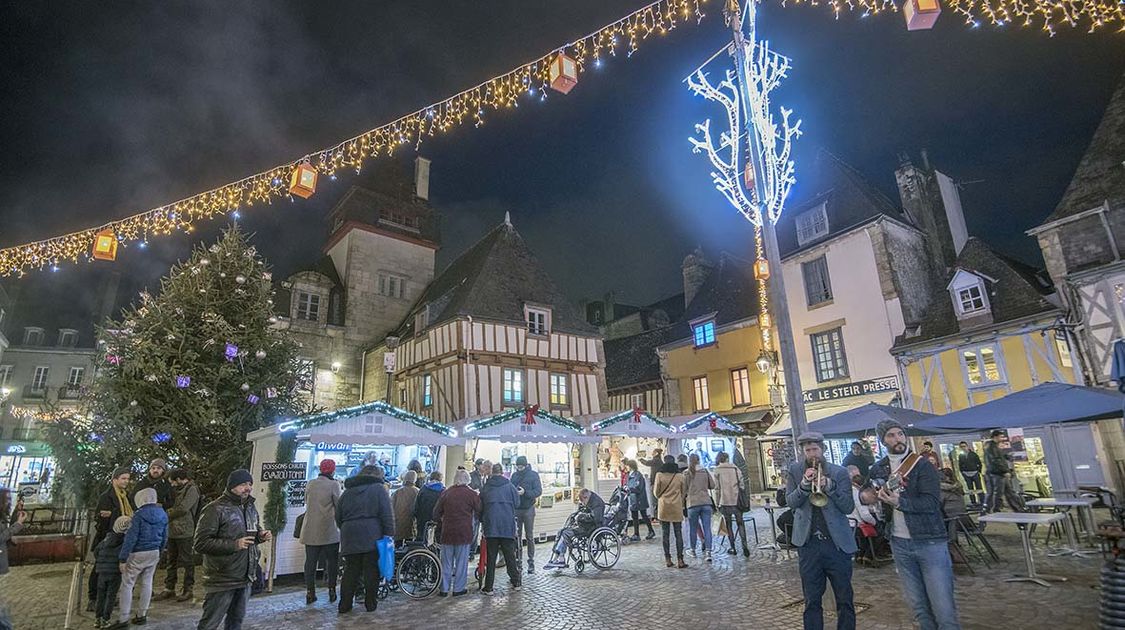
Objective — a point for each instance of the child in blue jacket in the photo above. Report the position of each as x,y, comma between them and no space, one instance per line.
140,552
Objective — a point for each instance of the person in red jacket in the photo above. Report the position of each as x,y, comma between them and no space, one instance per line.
457,508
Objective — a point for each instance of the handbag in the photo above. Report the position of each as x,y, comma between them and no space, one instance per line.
297,525
386,550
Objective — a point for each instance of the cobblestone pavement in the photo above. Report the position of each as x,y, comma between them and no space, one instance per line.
762,591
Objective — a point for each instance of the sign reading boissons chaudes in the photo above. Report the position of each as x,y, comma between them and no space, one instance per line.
283,471
847,390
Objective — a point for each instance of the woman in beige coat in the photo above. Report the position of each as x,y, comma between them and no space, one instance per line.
698,484
403,503
669,492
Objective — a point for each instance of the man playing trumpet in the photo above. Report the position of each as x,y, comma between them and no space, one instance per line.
820,497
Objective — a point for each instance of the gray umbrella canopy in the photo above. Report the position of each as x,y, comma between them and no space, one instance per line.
860,421
1046,403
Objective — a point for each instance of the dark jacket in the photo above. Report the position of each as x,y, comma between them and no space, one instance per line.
996,463
148,532
221,523
476,482
527,479
595,508
455,510
841,503
862,462
107,554
182,516
968,462
654,465
920,500
364,514
498,501
107,502
7,530
638,496
424,506
162,486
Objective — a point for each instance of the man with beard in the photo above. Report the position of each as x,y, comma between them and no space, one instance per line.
911,487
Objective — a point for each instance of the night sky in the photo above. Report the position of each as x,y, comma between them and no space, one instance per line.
113,108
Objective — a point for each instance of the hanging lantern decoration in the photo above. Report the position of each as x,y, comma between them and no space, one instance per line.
271,392
252,399
563,73
761,269
230,352
182,381
105,245
920,14
303,181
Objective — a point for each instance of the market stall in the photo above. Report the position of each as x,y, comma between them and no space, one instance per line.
632,434
348,436
554,447
705,435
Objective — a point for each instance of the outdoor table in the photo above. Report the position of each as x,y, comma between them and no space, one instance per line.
1023,520
770,508
1064,506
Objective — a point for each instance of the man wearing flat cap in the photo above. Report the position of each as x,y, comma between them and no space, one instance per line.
911,486
824,539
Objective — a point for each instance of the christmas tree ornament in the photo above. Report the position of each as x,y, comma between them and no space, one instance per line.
113,359
132,403
105,245
252,399
302,182
260,354
920,14
162,438
182,381
245,387
271,392
272,319
240,279
215,248
267,276
195,271
150,378
230,352
222,274
204,261
563,73
170,337
203,290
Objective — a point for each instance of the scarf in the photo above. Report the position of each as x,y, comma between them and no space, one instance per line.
123,501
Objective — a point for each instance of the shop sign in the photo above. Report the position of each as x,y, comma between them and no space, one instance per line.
24,449
283,471
389,362
295,494
848,390
16,449
28,490
332,446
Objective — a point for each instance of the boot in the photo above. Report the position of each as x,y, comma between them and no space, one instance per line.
668,562
310,596
681,564
167,593
331,594
185,595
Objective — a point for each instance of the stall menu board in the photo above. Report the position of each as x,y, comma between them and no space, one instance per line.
295,494
283,471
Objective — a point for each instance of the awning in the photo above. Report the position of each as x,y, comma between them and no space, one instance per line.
1046,403
705,425
530,424
633,423
757,416
860,421
372,423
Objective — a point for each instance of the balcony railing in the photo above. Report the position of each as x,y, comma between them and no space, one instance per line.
70,392
31,392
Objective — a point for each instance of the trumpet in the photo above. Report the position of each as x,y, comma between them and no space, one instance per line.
818,498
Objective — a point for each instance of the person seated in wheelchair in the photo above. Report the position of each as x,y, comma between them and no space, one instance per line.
590,516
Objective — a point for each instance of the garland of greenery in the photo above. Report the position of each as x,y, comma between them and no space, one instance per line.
510,414
717,430
328,417
624,415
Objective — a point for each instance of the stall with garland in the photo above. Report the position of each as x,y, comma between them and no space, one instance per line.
706,435
631,434
554,447
371,431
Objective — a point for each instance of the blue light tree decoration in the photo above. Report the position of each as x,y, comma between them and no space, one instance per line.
762,163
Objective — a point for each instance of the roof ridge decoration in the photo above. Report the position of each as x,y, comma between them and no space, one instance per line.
327,417
531,415
634,415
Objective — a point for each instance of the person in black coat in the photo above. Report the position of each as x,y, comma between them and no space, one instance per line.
364,515
638,502
424,505
158,480
115,501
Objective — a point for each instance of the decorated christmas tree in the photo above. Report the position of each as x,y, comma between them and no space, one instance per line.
185,375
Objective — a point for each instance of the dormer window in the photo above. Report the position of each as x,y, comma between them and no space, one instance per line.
308,306
538,320
969,293
970,300
421,320
812,224
703,333
32,336
68,337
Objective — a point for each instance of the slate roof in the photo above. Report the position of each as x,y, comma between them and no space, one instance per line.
850,201
1018,291
493,280
632,360
1100,175
730,291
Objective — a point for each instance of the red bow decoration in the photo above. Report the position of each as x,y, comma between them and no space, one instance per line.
714,424
637,411
529,414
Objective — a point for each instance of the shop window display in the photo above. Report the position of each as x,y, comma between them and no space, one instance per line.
614,450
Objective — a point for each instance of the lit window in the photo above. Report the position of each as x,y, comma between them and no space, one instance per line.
308,306
1062,345
513,386
982,365
703,334
559,394
538,321
970,300
74,379
427,390
699,387
740,386
828,355
812,224
39,381
818,288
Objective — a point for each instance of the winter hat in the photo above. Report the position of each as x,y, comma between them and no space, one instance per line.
158,462
886,425
121,525
327,466
521,461
238,477
144,496
409,477
810,436
121,470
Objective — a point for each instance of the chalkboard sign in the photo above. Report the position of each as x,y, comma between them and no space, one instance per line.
295,495
283,471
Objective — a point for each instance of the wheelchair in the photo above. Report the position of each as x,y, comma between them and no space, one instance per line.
601,548
417,569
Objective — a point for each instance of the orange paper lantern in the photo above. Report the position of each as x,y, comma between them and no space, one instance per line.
303,181
920,14
761,269
563,73
105,245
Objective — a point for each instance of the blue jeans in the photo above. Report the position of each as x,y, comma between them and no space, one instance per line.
454,567
820,559
700,518
926,571
231,604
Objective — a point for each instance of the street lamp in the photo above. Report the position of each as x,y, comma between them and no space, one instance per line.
764,362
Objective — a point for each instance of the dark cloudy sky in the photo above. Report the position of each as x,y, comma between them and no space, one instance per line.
111,108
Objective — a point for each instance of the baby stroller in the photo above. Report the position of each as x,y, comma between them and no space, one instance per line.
617,513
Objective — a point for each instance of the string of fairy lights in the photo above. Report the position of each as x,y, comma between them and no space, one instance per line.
558,70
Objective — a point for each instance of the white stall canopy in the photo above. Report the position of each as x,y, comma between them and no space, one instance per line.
705,425
372,423
632,423
528,424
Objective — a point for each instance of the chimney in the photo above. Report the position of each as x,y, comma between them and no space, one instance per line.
696,268
609,307
422,178
925,202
